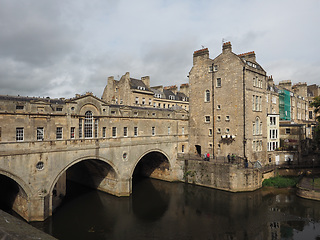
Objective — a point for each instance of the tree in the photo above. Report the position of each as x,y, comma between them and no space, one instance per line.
316,105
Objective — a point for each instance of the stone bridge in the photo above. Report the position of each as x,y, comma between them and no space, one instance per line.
38,170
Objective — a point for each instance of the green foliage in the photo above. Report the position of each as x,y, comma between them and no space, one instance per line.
280,182
316,105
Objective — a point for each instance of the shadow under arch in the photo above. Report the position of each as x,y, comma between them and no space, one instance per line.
150,201
153,164
93,172
15,194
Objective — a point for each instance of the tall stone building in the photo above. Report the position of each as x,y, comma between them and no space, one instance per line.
228,105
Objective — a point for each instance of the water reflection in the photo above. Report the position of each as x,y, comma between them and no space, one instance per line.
161,210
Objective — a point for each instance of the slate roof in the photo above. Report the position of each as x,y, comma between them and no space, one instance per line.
31,99
135,83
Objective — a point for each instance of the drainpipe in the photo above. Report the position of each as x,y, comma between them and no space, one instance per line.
213,118
244,112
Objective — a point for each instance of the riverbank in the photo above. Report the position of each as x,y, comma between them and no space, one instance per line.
12,228
309,188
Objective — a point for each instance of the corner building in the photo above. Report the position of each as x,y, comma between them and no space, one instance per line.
228,109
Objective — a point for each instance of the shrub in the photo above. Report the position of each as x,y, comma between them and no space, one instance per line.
280,182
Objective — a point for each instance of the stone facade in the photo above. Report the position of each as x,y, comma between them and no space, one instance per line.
134,92
227,105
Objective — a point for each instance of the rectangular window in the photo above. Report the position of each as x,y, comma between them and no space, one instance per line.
59,109
169,130
114,131
40,135
59,133
182,130
153,131
207,119
135,131
288,130
218,82
182,148
218,106
80,127
143,101
257,103
210,68
310,115
227,130
137,100
215,68
96,123
0,134
125,131
227,118
260,102
19,134
104,129
19,107
218,130
218,118
253,102
210,132
150,102
72,131
272,121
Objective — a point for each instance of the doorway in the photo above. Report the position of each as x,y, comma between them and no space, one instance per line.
198,148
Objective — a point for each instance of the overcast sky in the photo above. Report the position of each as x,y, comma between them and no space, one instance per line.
60,48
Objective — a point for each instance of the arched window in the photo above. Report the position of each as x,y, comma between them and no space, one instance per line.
88,126
207,97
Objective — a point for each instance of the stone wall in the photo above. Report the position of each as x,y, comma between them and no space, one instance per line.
228,177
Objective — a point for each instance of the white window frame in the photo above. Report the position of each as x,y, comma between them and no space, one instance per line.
19,134
40,133
59,133
114,132
218,83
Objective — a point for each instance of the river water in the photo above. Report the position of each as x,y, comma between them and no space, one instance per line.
162,210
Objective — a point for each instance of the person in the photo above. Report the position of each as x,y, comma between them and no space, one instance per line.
208,157
232,157
245,162
229,159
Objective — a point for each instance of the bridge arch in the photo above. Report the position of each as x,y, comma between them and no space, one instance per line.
18,180
154,163
92,171
17,194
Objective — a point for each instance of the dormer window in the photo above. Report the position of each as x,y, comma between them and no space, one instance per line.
157,95
141,88
172,97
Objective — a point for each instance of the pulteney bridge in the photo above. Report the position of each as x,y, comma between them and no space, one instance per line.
45,142
40,169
